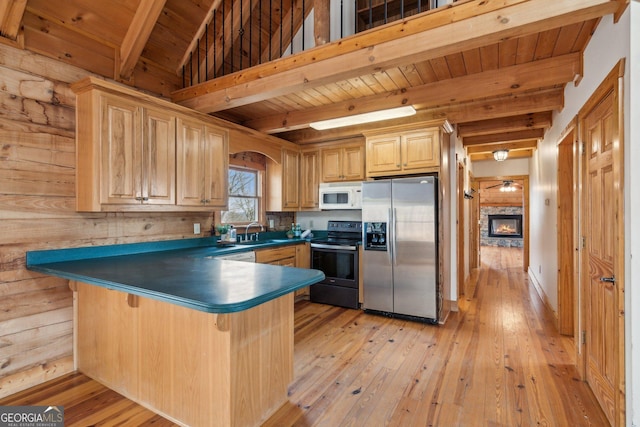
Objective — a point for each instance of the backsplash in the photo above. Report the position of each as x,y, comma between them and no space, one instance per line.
281,220
318,220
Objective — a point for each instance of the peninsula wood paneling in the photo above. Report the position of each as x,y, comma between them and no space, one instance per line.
37,211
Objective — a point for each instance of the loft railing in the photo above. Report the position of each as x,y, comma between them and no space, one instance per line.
245,33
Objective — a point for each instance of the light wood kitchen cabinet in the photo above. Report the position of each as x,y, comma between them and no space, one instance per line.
288,256
399,153
136,153
303,260
126,154
309,179
283,256
203,162
284,182
343,163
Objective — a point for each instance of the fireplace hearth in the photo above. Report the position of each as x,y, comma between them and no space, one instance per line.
509,226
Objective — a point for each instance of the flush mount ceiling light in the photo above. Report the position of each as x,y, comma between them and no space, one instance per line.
357,119
500,155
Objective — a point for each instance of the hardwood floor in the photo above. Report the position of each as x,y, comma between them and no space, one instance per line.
496,362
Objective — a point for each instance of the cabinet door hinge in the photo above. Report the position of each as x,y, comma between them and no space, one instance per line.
582,148
584,337
583,242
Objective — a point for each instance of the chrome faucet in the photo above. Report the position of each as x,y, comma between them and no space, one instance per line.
246,231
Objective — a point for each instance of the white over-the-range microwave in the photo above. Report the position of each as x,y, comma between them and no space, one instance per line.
341,195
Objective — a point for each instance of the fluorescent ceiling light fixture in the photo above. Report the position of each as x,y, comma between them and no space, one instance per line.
357,119
500,155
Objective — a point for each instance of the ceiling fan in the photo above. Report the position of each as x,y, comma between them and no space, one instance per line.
507,185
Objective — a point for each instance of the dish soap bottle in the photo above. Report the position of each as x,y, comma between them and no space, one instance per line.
232,234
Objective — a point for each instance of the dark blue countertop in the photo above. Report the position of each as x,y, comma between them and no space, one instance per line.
182,272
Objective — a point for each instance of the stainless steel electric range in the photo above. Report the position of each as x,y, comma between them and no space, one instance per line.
337,257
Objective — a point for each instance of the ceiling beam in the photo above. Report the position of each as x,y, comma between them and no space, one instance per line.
516,145
444,33
11,13
137,35
519,135
502,106
506,124
515,79
520,154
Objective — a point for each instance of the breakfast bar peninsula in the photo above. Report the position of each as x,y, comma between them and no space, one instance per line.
199,340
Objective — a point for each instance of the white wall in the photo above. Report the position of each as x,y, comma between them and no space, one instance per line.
509,167
609,44
318,220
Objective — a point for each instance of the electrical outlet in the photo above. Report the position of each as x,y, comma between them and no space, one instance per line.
196,228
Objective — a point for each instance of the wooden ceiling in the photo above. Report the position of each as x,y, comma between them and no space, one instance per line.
496,69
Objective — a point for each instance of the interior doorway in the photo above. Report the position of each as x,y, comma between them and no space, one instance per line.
503,204
568,232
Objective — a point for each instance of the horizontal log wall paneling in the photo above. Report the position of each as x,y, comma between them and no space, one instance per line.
37,211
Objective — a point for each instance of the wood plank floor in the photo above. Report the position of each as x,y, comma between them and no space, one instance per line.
496,362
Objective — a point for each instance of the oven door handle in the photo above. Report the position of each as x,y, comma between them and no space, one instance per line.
334,247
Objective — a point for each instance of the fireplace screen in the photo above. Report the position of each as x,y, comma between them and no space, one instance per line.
505,226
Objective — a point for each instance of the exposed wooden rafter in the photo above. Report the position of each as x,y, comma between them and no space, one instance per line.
520,135
447,36
509,80
515,154
474,111
502,124
11,12
515,145
137,35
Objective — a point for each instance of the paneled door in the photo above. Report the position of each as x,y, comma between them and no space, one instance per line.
604,250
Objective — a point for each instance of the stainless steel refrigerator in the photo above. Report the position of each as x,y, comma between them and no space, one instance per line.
400,239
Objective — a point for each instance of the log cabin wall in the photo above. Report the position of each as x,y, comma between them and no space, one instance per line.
37,211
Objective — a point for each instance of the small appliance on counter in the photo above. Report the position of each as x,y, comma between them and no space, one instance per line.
337,257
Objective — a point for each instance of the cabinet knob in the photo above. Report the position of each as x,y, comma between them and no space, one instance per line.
397,165
405,164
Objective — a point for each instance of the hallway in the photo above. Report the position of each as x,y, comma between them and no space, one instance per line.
497,362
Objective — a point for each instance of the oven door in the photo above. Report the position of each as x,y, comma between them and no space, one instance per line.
339,265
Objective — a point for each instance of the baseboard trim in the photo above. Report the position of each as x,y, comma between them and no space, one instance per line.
543,296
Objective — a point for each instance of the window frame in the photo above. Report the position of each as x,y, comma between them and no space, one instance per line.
260,170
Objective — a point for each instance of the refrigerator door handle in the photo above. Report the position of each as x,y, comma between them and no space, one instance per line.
393,241
390,237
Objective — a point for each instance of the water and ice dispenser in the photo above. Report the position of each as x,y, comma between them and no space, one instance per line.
375,236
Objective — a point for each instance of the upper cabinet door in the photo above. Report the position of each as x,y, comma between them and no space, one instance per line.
331,164
120,151
309,179
421,149
203,156
216,156
343,163
190,167
403,152
159,157
353,163
383,154
291,179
